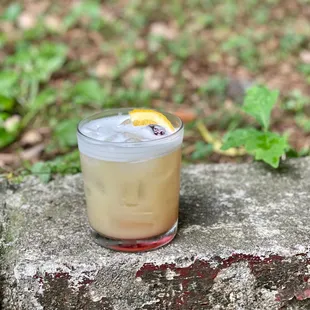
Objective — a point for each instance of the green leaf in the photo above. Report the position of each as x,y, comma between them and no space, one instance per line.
202,150
38,62
265,146
176,66
88,91
268,146
49,58
235,42
295,101
3,117
42,170
66,164
45,97
216,85
259,102
6,103
6,137
8,81
303,122
65,133
89,8
238,137
12,12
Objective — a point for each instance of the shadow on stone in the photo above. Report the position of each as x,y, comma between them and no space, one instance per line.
190,212
284,169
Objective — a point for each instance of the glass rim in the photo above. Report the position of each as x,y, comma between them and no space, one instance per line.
140,143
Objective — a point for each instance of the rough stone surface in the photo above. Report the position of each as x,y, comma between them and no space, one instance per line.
243,243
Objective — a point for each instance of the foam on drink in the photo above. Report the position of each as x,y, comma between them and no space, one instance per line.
115,138
119,129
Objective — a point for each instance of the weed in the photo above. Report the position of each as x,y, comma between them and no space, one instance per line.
263,144
66,164
202,150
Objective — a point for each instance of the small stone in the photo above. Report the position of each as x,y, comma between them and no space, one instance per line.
26,21
103,68
305,57
53,23
163,30
31,137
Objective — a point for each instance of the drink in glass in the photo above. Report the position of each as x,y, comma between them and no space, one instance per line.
131,169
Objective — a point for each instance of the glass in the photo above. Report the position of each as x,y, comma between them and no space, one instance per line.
132,188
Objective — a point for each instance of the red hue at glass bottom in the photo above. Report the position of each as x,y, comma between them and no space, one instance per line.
135,245
142,246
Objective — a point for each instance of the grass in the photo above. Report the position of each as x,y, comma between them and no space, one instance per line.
59,63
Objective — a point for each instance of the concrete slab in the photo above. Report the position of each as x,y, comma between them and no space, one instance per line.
243,243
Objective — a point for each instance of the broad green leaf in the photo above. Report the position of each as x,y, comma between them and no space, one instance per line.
238,137
266,146
38,62
216,85
303,122
259,102
88,91
12,12
6,137
89,8
42,170
3,117
8,81
65,132
50,58
45,97
295,101
22,56
202,150
6,103
70,19
235,42
66,164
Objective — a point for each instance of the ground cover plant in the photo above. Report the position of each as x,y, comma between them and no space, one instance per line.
63,60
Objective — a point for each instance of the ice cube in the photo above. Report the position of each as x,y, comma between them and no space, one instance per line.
101,129
90,132
132,140
132,137
117,137
125,122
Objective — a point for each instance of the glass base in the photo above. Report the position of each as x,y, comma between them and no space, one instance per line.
136,245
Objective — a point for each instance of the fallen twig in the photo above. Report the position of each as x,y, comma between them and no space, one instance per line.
217,144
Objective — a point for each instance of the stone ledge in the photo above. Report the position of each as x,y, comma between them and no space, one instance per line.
243,243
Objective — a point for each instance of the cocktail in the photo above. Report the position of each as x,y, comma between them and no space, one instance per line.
131,169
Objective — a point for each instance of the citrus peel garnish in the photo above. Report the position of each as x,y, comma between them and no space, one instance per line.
143,117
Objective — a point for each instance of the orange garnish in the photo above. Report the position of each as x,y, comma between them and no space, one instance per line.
142,117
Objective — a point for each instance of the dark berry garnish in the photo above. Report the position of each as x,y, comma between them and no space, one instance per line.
157,130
